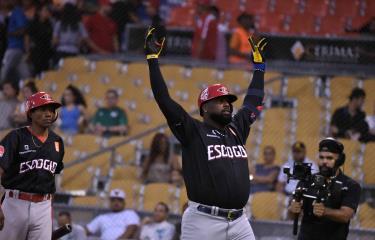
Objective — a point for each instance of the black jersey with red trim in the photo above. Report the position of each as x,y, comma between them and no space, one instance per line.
214,161
30,165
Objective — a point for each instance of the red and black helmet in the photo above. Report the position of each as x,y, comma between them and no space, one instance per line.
40,99
214,91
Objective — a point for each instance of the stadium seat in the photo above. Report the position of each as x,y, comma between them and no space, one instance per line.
181,17
370,8
346,8
369,87
332,25
352,166
340,88
126,173
158,192
286,6
256,7
368,164
86,142
80,176
109,67
131,189
267,206
73,64
300,24
183,199
366,216
87,201
316,7
273,134
270,22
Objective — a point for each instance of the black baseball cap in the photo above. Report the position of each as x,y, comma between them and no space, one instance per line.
331,145
298,146
357,93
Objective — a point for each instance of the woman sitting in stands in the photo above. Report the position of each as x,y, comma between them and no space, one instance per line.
157,166
72,116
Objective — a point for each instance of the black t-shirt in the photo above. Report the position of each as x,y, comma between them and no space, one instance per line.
30,165
314,228
214,161
344,121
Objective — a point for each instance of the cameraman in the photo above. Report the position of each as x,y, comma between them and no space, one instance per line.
329,218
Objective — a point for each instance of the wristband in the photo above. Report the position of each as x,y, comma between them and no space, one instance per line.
260,67
150,56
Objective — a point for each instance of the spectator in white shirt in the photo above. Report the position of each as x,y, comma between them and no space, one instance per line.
121,223
158,228
298,155
77,233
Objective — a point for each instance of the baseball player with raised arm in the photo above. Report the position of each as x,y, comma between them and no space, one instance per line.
29,159
214,157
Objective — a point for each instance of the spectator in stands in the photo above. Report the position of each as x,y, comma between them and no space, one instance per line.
73,111
19,117
78,232
8,103
205,32
40,32
110,120
239,47
157,227
157,166
121,223
69,33
102,30
298,156
349,121
265,174
123,12
14,66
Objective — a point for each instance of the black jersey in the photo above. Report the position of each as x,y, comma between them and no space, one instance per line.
214,161
30,165
314,228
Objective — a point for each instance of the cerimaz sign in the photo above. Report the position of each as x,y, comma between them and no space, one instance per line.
288,48
323,50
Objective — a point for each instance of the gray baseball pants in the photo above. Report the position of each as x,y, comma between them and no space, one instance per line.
197,225
25,220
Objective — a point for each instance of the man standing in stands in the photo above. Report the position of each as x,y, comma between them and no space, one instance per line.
205,33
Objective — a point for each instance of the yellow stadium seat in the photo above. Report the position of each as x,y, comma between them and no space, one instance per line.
79,176
158,192
126,173
267,206
88,201
300,87
340,90
131,189
368,164
351,166
366,216
274,132
183,199
73,64
86,142
369,87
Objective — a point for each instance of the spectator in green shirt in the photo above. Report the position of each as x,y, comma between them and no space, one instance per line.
110,120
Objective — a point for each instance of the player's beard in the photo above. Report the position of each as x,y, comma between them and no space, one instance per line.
220,118
327,171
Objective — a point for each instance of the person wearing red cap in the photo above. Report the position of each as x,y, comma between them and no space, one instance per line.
214,158
102,29
29,159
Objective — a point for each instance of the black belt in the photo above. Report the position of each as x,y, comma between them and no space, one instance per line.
230,215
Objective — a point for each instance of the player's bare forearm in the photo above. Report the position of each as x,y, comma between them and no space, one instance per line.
343,215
